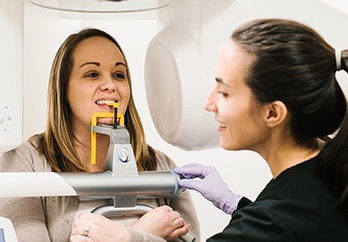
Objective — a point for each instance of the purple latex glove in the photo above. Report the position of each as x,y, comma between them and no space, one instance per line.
210,185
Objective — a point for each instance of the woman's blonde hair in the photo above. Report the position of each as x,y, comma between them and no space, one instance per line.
57,143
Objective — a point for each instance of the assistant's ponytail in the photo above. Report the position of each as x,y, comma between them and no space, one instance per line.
344,60
333,166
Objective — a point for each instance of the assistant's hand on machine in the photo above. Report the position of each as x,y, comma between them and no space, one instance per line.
207,181
162,222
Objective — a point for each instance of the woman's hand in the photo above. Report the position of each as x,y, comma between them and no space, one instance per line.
90,227
162,222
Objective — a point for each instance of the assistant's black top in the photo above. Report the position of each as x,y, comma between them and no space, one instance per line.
296,206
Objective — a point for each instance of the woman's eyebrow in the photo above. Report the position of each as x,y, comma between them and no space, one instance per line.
90,63
98,64
120,63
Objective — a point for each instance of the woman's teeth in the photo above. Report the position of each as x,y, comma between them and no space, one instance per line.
104,102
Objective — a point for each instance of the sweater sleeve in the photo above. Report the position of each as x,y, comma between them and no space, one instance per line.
26,214
139,236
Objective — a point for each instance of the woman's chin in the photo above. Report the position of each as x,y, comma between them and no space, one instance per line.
106,121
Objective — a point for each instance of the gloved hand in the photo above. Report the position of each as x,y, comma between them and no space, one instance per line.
209,184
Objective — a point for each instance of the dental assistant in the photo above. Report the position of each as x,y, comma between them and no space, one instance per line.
276,94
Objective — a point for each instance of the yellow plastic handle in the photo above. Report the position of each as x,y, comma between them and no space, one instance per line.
95,117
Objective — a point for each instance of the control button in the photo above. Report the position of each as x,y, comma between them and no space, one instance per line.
123,155
1,117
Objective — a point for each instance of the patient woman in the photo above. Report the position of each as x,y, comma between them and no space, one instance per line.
89,70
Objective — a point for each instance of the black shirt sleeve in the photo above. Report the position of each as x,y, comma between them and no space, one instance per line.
253,224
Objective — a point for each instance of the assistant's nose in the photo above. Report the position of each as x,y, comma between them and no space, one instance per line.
209,103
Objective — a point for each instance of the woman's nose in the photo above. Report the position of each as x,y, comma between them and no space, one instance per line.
108,85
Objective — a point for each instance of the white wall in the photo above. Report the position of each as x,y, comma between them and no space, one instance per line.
11,69
246,172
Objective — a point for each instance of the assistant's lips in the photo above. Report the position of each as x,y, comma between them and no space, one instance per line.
221,127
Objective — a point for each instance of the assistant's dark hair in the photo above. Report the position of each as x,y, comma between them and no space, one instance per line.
295,65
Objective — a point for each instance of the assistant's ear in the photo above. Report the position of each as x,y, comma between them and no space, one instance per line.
276,113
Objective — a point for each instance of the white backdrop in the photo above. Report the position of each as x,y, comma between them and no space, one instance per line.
44,30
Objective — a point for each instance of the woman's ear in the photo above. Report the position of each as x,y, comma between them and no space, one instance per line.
276,113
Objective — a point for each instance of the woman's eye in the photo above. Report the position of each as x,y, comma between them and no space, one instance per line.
92,75
119,75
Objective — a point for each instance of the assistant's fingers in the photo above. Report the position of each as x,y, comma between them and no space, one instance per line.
194,169
190,184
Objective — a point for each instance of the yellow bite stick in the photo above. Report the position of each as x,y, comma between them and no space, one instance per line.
95,117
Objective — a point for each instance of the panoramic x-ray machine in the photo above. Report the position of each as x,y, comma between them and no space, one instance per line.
179,67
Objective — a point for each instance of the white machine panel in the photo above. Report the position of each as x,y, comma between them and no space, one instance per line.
7,232
11,69
179,73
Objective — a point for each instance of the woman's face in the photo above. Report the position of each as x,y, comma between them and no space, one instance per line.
236,110
98,76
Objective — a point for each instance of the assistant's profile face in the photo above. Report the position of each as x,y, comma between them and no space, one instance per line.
233,102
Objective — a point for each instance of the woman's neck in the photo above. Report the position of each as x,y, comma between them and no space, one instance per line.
83,147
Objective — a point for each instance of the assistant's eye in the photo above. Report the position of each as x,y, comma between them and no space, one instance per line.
223,94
